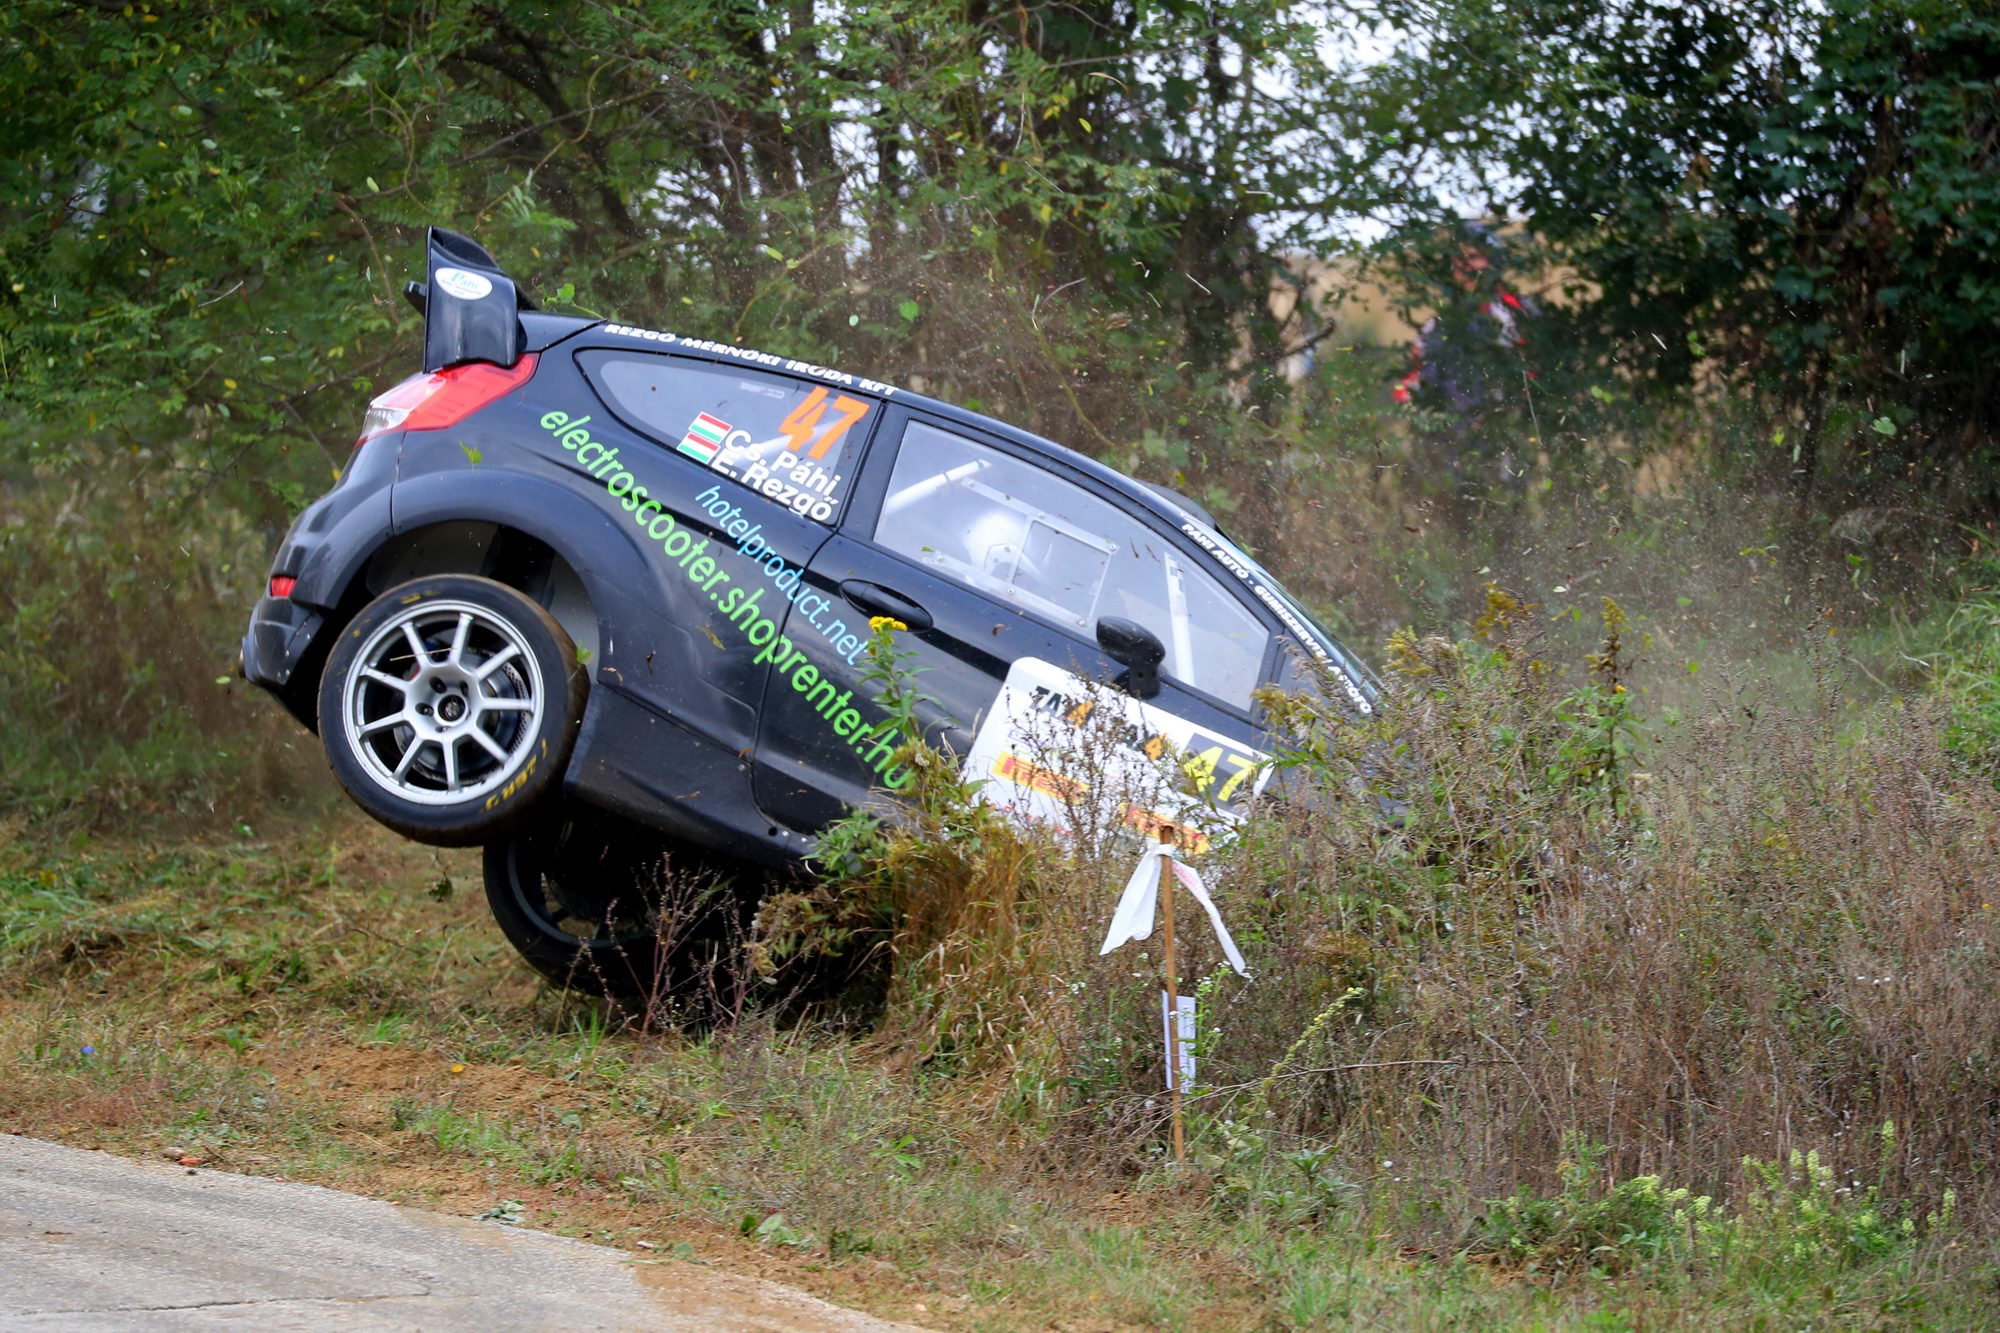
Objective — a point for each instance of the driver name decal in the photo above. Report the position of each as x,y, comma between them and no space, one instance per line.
876,743
802,487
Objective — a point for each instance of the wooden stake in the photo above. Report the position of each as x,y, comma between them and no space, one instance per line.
1173,1001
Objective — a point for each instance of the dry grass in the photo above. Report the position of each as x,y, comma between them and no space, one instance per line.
1782,942
308,1009
986,1149
1773,939
1665,949
118,646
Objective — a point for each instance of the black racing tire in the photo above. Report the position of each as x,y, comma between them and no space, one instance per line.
600,905
449,706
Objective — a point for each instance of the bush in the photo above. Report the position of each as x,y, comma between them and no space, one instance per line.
1967,672
118,650
1792,1222
1587,1224
1498,920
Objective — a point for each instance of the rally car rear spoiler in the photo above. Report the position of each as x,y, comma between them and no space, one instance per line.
472,311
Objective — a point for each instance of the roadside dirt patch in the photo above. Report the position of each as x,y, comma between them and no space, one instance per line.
362,1077
361,1088
408,1123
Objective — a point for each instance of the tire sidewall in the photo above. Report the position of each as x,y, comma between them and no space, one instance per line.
534,773
673,962
595,967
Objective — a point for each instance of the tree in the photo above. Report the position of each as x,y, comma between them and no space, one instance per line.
1803,202
209,207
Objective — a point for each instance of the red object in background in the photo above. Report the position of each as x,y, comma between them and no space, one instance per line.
282,585
443,397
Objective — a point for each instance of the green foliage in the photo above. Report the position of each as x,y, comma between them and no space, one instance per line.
1967,671
1590,1224
927,886
1445,1065
1482,751
892,670
209,210
1796,1219
1792,1223
1077,218
42,910
117,648
1603,735
1300,1188
774,1230
1800,201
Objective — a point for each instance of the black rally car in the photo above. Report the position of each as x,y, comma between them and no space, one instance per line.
580,577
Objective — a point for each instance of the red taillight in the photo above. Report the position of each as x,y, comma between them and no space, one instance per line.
282,585
444,397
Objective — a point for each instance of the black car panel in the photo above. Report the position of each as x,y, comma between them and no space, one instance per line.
658,772
329,541
714,527
332,537
540,331
949,510
671,722
650,643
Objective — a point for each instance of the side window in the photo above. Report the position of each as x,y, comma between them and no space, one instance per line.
792,442
1010,529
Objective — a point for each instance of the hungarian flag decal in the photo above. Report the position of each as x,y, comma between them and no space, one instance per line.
704,438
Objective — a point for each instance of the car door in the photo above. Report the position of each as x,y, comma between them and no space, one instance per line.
1001,563
746,472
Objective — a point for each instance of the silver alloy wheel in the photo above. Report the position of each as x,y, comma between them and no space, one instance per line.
443,702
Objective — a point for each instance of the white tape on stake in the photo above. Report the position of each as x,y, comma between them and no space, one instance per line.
1185,1037
1137,906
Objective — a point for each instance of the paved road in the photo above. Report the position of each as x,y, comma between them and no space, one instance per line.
92,1241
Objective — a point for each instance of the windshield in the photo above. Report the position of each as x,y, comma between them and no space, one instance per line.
1314,638
1347,661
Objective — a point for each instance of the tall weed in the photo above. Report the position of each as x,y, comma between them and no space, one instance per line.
1501,917
118,647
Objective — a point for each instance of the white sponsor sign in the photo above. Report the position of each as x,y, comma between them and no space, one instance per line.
1074,754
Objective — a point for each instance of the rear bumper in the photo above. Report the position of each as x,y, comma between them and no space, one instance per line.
281,632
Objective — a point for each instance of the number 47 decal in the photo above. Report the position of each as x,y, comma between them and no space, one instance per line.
800,423
1200,766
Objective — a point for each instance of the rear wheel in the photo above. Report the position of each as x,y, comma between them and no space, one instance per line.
449,707
597,904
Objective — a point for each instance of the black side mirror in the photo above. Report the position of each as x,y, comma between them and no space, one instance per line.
1135,648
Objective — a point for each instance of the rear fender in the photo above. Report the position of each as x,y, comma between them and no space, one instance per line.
672,717
655,641
606,559
333,540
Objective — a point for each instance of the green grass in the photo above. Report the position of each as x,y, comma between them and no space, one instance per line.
306,1008
1630,976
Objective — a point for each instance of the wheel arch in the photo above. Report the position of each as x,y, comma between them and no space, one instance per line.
514,556
540,539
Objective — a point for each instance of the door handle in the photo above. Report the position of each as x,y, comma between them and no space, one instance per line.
877,600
